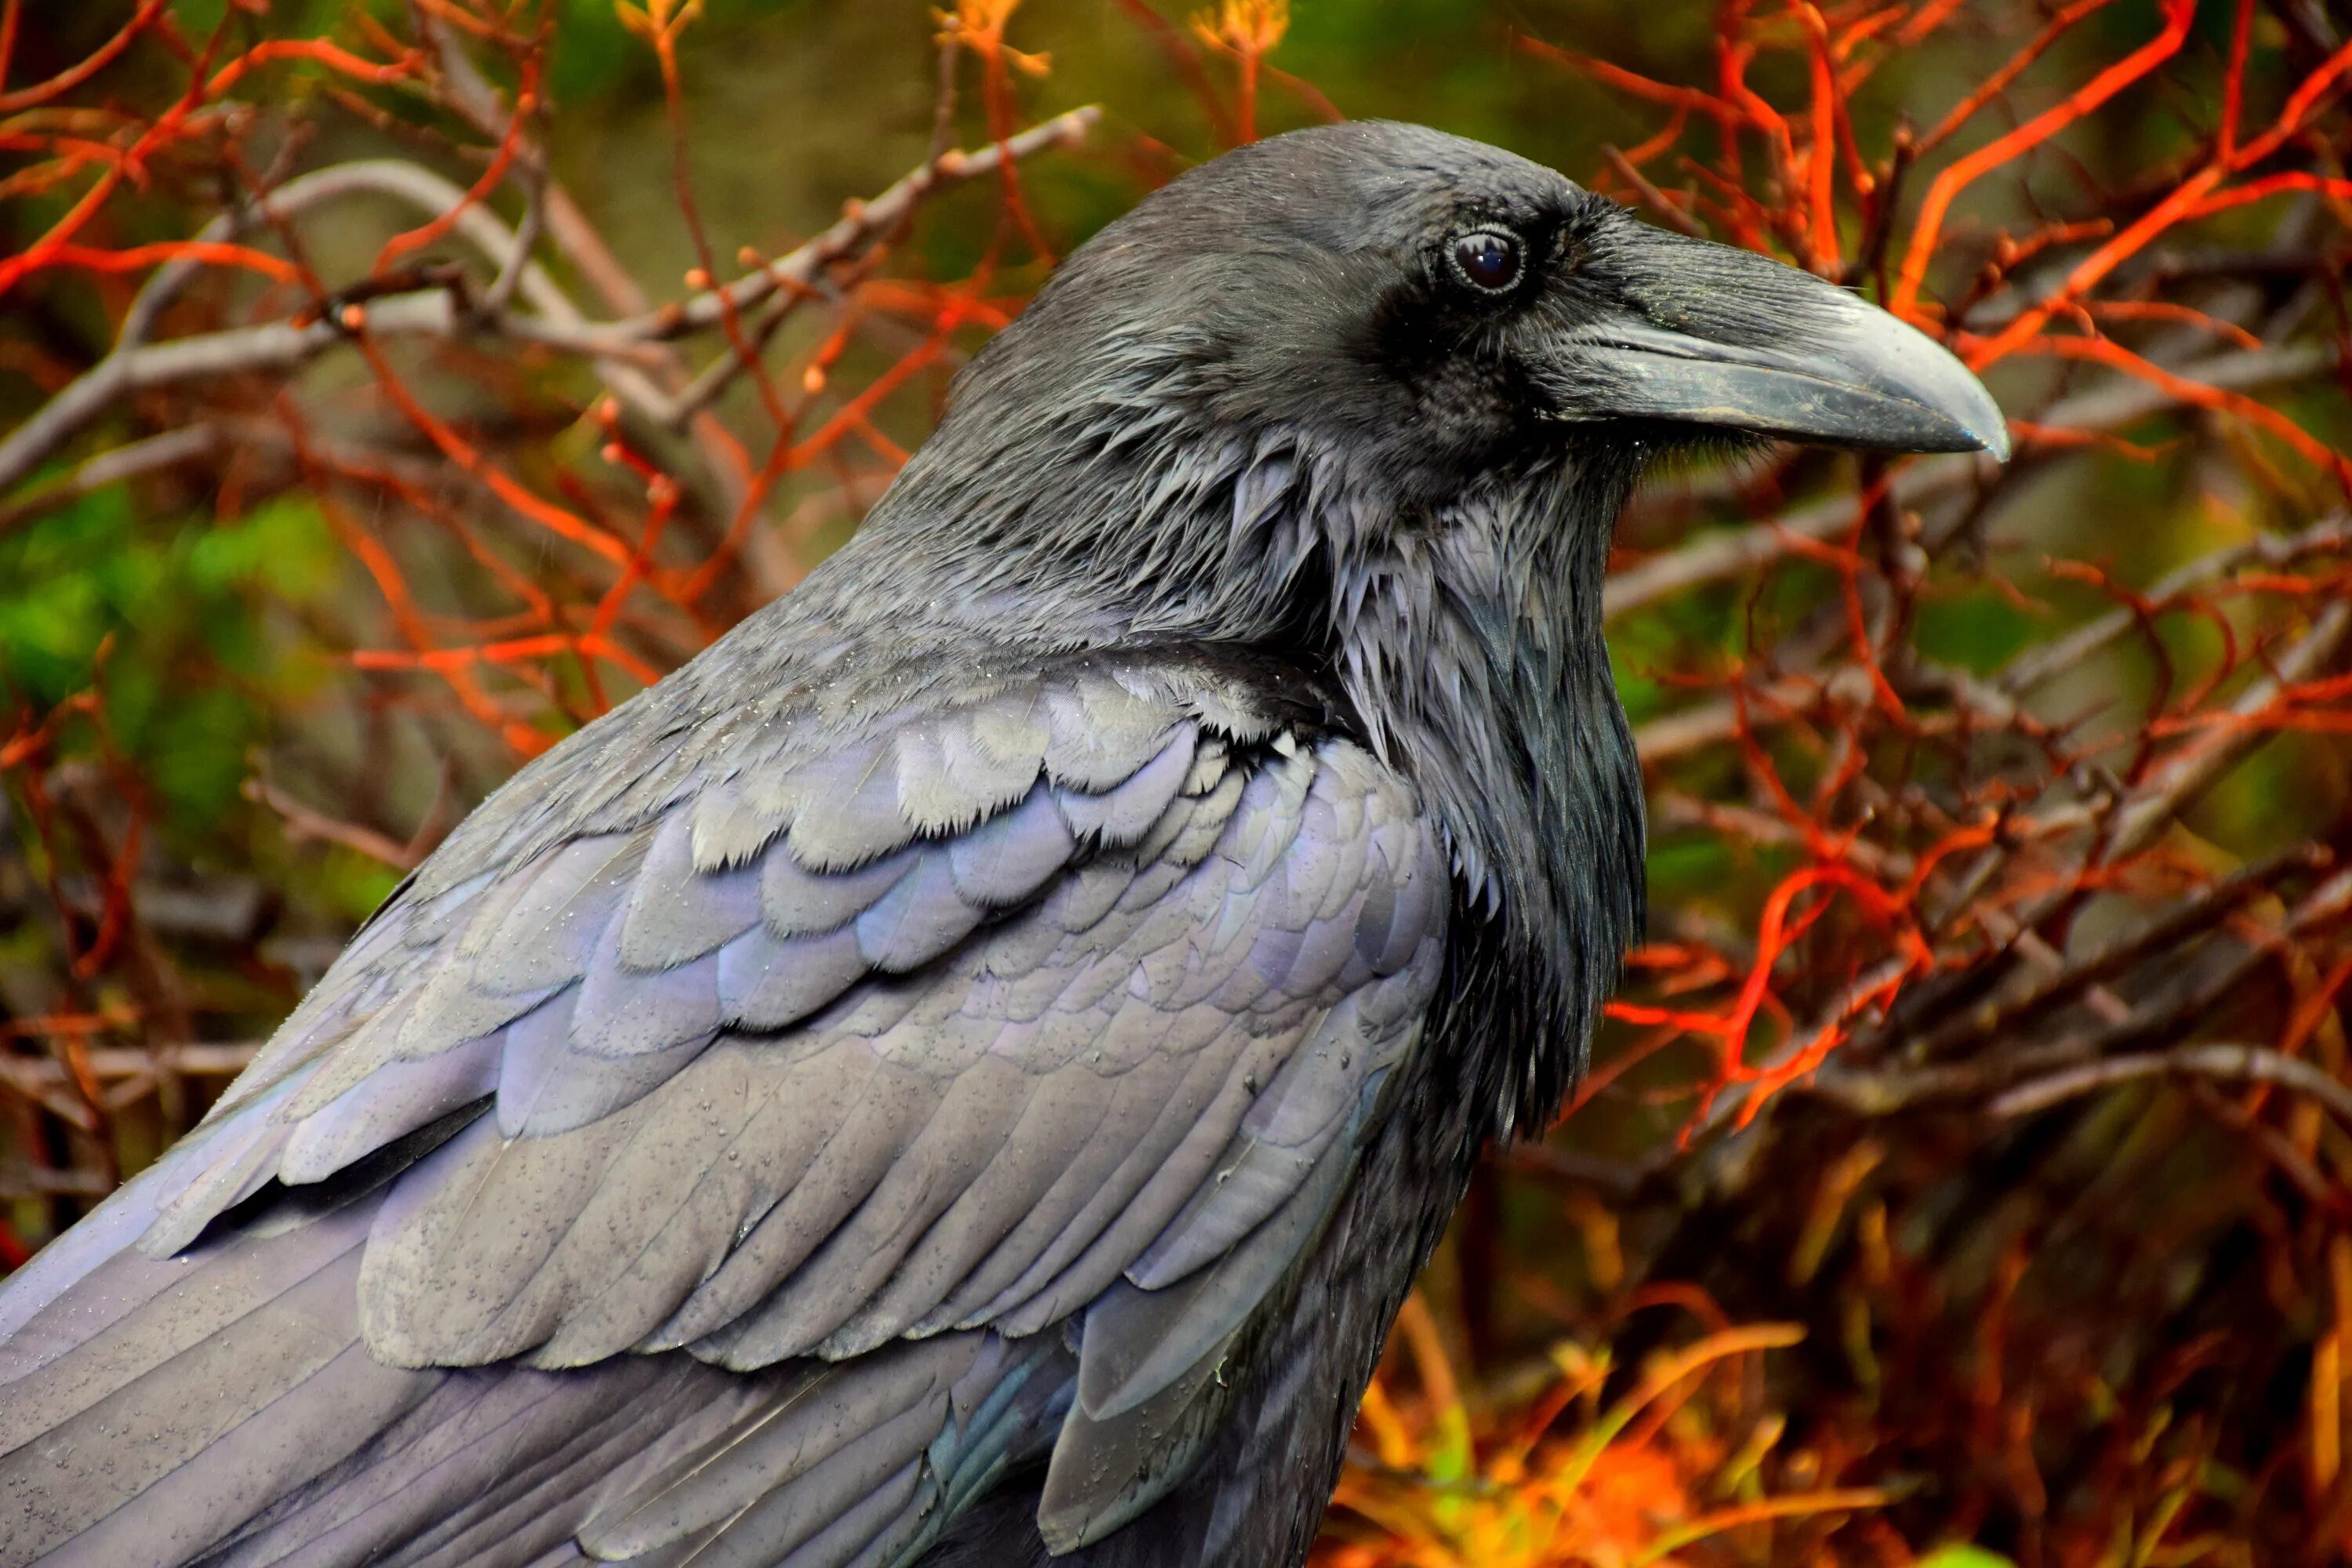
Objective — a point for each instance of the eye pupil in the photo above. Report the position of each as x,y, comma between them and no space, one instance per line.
1489,260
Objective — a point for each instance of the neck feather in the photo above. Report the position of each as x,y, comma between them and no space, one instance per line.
1477,644
1464,635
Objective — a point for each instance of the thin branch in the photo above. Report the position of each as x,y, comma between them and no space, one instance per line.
519,250
1656,200
152,455
303,824
2232,1062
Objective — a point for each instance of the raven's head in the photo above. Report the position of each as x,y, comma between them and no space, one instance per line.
1372,396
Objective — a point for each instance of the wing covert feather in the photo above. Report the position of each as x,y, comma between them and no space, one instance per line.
1067,1006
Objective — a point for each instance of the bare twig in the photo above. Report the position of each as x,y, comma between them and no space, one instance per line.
1656,200
2235,1063
150,455
303,823
34,1076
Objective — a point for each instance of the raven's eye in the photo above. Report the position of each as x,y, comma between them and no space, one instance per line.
1489,260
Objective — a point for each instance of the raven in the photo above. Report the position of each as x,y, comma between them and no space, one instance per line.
965,1071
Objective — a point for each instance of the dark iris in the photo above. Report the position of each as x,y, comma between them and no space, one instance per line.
1488,259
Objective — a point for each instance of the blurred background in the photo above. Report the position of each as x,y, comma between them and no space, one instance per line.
387,389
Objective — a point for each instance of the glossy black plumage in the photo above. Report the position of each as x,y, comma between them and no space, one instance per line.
967,1069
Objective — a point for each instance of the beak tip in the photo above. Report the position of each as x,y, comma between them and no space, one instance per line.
1895,358
1966,401
1992,436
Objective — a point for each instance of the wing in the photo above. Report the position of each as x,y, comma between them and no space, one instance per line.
1061,1006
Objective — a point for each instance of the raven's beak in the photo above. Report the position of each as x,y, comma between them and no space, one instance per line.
1704,334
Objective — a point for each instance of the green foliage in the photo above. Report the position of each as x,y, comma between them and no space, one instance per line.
173,618
1977,628
1959,1556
